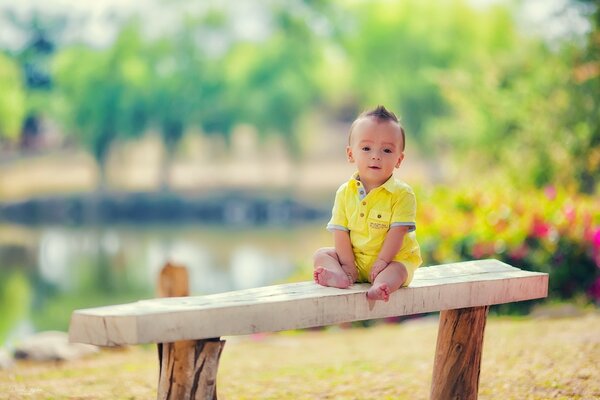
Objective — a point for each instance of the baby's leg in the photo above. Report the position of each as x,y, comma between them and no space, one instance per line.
328,270
389,280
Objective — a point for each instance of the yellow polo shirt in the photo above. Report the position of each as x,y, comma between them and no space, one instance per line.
368,218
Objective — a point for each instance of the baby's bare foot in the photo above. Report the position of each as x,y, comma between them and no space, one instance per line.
325,277
379,292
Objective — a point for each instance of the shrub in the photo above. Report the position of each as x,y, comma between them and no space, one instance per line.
548,230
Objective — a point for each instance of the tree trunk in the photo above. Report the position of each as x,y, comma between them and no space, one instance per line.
165,169
458,354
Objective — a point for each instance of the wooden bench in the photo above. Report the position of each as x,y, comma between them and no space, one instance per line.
188,329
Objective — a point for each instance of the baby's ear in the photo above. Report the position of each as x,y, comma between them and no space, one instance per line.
349,154
400,158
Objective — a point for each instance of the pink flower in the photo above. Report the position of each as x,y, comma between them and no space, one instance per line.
596,239
539,228
596,246
587,222
481,250
594,290
519,253
550,192
570,213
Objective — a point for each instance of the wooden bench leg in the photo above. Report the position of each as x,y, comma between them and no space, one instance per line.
188,369
458,354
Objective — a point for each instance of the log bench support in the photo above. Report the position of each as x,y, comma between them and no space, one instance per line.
458,354
188,369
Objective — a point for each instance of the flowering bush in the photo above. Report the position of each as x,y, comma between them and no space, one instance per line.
547,230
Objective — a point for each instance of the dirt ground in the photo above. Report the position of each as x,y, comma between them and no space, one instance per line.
523,358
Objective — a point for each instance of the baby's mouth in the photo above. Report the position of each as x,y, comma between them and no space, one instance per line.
374,167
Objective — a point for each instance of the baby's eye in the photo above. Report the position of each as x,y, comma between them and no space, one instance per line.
387,150
366,148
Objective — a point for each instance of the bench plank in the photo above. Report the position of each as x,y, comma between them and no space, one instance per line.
302,305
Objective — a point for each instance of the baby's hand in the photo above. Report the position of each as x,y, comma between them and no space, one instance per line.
378,266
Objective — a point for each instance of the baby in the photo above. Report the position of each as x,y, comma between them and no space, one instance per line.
373,217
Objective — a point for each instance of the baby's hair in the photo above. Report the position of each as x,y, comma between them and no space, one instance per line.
381,114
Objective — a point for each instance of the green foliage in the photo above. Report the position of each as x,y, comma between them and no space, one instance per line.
12,99
15,299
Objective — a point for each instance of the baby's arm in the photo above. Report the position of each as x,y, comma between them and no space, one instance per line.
343,248
392,243
391,246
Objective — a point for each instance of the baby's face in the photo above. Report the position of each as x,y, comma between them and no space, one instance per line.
376,148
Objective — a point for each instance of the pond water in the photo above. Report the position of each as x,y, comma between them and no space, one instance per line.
47,272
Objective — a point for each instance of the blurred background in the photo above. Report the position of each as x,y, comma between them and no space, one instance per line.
212,134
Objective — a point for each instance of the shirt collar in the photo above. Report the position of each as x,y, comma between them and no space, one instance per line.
387,185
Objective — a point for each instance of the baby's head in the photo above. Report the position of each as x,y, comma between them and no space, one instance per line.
376,145
381,115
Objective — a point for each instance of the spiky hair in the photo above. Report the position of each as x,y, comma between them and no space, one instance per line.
381,114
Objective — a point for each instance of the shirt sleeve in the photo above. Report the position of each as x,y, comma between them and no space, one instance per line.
404,212
339,220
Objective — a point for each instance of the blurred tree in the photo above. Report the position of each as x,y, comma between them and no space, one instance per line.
528,113
584,113
171,101
188,85
104,93
401,52
507,116
275,82
216,108
12,99
41,33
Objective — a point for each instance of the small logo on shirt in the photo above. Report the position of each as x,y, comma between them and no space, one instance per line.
378,225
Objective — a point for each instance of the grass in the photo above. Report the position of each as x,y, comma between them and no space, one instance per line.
526,358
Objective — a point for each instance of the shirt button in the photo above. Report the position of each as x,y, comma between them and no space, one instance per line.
364,203
378,215
362,215
357,183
